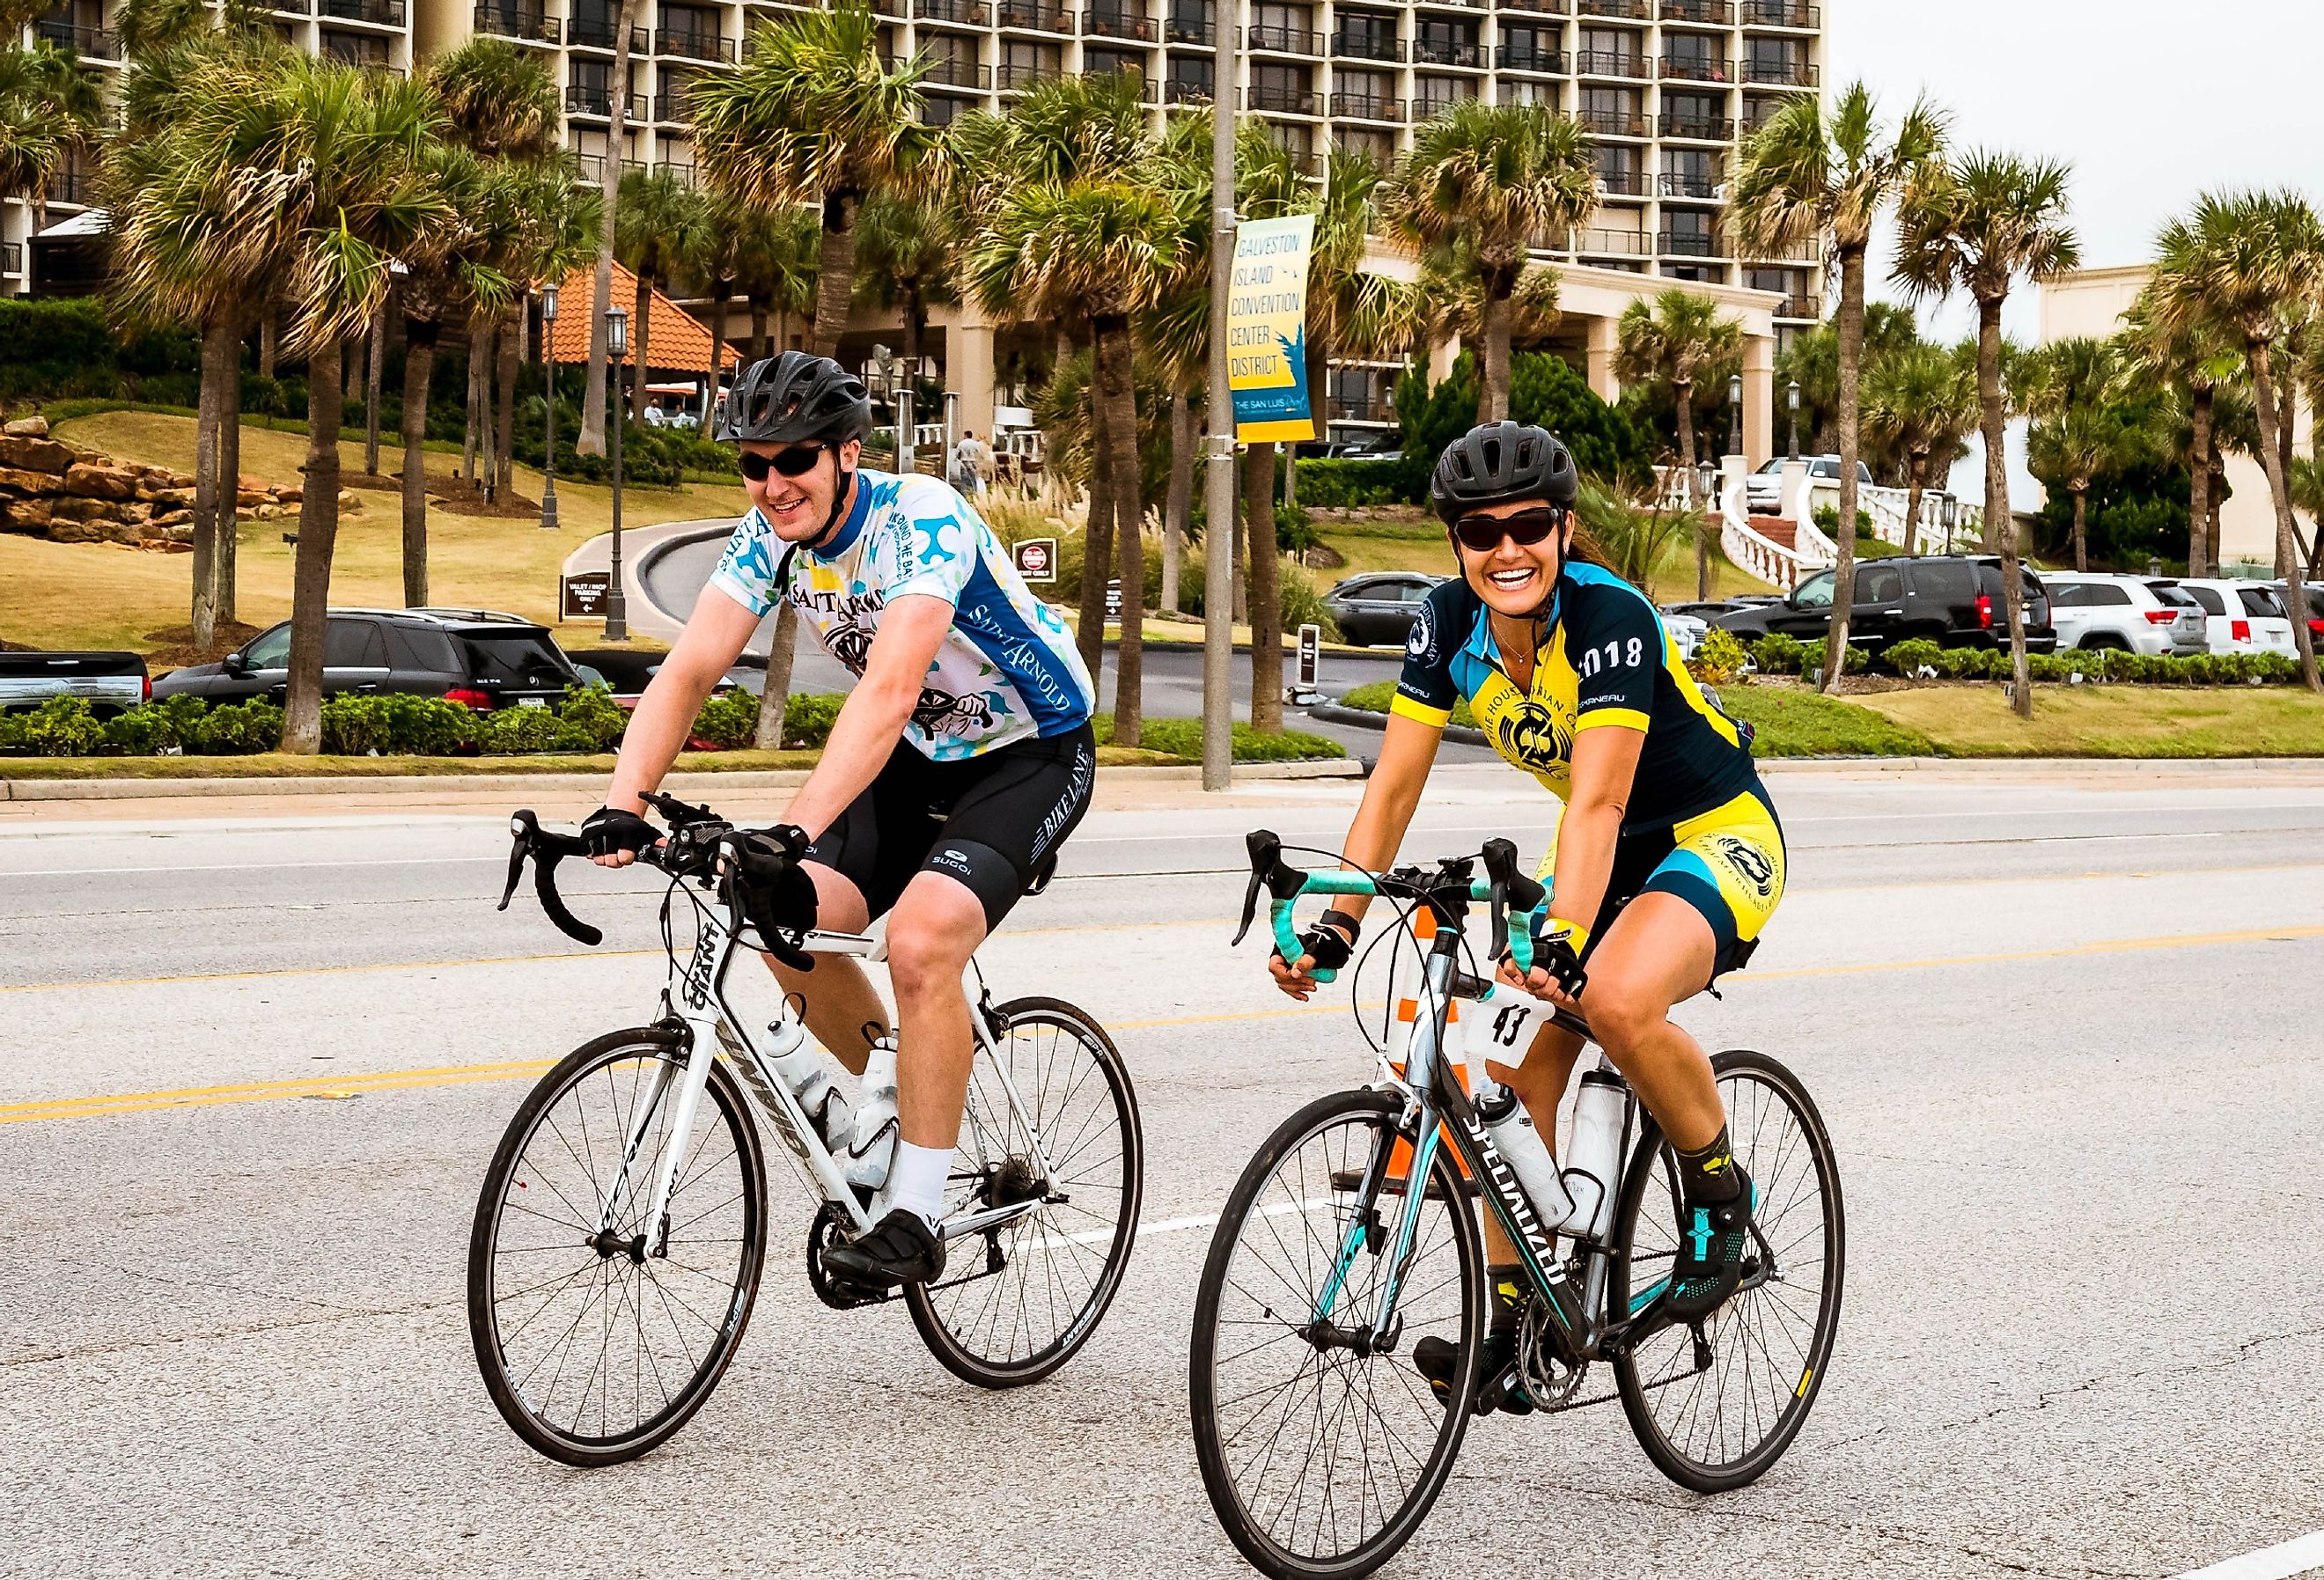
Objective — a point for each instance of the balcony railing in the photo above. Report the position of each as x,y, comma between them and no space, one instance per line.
966,13
1181,90
1677,184
1608,63
95,44
1622,183
674,108
1700,128
12,257
1781,73
684,174
1283,101
1341,409
1118,24
1366,46
957,71
1366,106
581,99
1781,13
1800,307
511,22
1606,242
1186,29
1527,58
1697,68
1447,52
1462,5
592,167
1688,243
1142,88
1282,41
377,13
1018,76
1614,123
1034,15
693,43
1541,8
1710,13
1620,10
598,32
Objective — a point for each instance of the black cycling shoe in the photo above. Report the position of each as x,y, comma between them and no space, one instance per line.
899,1249
1497,1387
1710,1248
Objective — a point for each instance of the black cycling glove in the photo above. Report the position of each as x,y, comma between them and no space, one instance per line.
1326,944
1557,946
609,829
775,891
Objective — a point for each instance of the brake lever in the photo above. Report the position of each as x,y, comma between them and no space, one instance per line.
1265,851
546,851
524,826
1511,887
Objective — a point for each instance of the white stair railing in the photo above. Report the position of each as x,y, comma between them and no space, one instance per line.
1753,553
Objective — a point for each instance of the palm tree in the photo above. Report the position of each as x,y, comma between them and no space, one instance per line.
1806,176
906,259
1676,339
2244,263
50,108
2076,394
590,439
661,226
1980,223
1920,404
2192,360
1503,178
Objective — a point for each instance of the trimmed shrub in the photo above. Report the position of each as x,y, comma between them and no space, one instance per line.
728,721
1182,737
1718,658
1327,483
395,724
1777,654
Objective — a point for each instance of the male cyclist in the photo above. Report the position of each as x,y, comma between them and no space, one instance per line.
1667,859
962,757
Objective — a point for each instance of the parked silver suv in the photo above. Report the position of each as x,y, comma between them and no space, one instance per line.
2135,614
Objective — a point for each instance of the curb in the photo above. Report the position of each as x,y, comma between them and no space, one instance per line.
1334,713
119,789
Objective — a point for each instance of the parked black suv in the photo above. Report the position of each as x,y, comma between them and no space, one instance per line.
474,656
1951,599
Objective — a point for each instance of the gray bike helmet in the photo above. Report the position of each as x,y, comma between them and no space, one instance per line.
797,399
1496,462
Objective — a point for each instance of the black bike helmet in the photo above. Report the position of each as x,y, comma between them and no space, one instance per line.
797,399
1495,462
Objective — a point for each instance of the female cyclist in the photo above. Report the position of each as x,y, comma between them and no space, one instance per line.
1667,859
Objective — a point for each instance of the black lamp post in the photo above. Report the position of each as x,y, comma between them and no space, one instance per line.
1735,414
617,346
1792,395
1707,473
548,437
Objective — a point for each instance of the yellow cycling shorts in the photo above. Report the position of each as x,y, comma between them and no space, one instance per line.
1726,863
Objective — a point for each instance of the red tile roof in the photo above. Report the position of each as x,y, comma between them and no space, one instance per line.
676,340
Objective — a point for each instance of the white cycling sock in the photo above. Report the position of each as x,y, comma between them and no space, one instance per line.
916,1179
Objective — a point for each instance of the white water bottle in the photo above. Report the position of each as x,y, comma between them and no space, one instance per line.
1593,1156
810,1080
873,1142
1521,1145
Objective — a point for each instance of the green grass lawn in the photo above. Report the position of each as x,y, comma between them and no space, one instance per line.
1973,720
1791,722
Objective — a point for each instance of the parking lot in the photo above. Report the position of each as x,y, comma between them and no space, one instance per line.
2061,1021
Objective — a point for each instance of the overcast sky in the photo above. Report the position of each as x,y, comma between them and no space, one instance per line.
2151,103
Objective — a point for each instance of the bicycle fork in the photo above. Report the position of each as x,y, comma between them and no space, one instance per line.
652,1238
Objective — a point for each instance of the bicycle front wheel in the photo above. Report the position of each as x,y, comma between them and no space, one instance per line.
1714,1404
597,1347
1016,1302
1322,1451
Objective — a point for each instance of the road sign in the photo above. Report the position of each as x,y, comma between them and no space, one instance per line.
1037,558
1114,599
583,596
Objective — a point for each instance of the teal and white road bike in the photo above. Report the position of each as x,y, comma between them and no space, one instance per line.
1321,1446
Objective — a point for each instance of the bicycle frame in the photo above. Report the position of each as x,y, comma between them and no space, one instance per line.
696,994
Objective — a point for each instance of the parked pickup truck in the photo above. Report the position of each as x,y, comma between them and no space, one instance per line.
107,682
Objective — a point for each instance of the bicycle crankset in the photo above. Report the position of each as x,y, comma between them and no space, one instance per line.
1549,1380
835,1293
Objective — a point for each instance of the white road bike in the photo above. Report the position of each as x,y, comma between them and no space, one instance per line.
622,1230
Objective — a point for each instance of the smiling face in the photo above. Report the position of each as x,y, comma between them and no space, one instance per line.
1513,578
798,508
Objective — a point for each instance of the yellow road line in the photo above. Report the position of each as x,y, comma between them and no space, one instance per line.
452,1075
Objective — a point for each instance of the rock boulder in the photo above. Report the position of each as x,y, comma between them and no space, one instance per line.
90,481
34,452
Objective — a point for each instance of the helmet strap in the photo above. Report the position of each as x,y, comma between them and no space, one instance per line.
843,493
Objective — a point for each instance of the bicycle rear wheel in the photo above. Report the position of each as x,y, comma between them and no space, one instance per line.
1716,1403
1016,1302
596,1349
1320,1461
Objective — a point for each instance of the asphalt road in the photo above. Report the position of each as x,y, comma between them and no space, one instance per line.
1173,680
2062,1024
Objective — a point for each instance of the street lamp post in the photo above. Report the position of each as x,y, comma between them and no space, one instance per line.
1706,472
1792,395
1735,414
549,436
617,346
1219,480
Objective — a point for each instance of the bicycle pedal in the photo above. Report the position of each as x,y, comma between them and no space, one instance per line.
837,1293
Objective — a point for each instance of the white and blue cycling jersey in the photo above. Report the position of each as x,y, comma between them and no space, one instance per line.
1008,669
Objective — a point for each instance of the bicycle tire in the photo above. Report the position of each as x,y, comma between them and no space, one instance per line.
1105,1196
512,1170
1745,1322
1238,1513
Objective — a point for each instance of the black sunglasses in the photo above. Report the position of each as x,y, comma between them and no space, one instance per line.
795,462
1482,534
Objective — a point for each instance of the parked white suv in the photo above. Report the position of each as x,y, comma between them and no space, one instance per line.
2133,613
2239,616
1763,490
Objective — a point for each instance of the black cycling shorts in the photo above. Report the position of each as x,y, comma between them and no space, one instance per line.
992,822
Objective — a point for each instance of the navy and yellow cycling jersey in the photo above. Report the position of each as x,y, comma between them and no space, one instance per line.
1605,659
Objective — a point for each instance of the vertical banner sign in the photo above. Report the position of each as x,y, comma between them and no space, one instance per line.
1266,330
